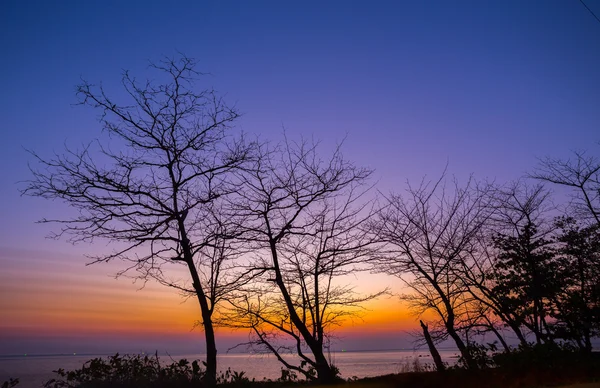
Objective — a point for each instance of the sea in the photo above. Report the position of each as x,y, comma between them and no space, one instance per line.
33,370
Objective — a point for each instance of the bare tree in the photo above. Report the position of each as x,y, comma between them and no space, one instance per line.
303,217
152,184
582,174
427,234
476,273
512,206
578,244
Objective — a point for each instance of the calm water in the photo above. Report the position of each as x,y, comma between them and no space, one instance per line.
34,370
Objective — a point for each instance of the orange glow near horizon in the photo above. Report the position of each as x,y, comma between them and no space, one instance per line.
65,298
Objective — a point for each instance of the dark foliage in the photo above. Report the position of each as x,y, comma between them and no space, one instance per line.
525,275
10,383
578,300
129,370
527,366
141,371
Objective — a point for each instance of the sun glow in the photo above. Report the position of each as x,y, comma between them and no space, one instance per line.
63,297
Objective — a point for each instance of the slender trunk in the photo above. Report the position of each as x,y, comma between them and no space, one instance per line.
209,333
502,341
449,322
437,359
325,373
464,351
499,336
319,326
210,377
504,315
517,330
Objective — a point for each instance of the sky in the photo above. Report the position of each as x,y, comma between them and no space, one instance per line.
486,87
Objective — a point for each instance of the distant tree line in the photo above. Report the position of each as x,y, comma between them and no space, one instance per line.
269,232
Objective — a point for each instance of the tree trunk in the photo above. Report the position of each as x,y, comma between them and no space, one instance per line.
449,324
210,377
517,330
500,338
498,335
325,373
464,351
437,359
211,352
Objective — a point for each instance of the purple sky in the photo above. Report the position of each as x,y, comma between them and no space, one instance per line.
487,86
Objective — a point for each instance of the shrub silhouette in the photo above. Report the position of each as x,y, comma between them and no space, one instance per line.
10,383
129,370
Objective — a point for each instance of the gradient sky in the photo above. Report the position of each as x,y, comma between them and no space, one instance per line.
487,86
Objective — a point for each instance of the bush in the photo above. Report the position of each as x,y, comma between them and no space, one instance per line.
233,378
548,355
481,354
129,371
10,383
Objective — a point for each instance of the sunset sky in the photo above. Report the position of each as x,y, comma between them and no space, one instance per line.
485,86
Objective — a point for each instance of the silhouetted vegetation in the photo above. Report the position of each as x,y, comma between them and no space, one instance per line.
267,232
530,366
126,371
152,185
301,216
427,234
10,383
149,371
484,258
